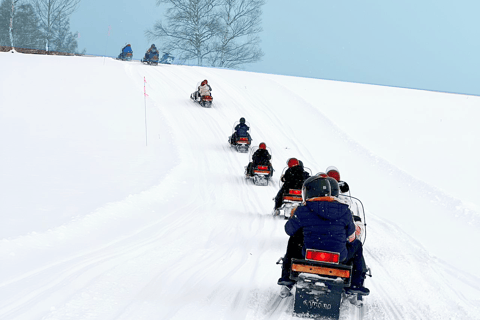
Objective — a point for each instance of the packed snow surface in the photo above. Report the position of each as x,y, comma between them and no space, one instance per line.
118,205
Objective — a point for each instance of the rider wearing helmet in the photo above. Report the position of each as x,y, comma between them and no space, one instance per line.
335,189
127,49
326,224
260,157
241,130
151,52
333,172
293,179
204,89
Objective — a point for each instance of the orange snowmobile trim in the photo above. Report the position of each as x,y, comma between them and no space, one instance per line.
321,270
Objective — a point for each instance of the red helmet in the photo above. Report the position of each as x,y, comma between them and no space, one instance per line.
204,82
333,172
292,162
262,146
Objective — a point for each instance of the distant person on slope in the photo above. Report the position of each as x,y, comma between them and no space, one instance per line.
125,51
151,52
204,89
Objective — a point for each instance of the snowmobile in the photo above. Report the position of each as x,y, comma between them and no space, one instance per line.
126,54
261,172
321,282
241,144
320,285
291,198
166,58
152,59
205,101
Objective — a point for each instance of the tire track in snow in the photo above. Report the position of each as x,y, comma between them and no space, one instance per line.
250,205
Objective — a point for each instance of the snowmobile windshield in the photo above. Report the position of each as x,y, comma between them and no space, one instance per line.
280,182
358,211
308,170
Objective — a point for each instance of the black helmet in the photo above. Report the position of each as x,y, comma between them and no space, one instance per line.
153,46
242,120
314,187
335,189
300,163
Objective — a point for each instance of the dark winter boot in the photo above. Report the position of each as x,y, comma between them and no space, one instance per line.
285,282
358,290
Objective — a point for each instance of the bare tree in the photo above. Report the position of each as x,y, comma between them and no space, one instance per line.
12,13
63,40
19,25
190,29
238,41
8,10
25,28
50,13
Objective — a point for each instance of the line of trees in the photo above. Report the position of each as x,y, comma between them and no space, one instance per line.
38,24
219,33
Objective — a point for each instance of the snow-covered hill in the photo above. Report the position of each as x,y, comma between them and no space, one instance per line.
117,206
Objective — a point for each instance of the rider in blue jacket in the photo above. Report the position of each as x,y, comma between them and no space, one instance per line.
150,52
327,224
241,130
125,50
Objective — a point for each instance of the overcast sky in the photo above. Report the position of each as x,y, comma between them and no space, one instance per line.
424,44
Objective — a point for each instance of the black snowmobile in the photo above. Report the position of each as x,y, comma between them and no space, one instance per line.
151,58
291,198
240,143
261,173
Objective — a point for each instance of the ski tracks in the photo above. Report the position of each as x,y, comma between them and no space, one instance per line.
408,284
230,280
